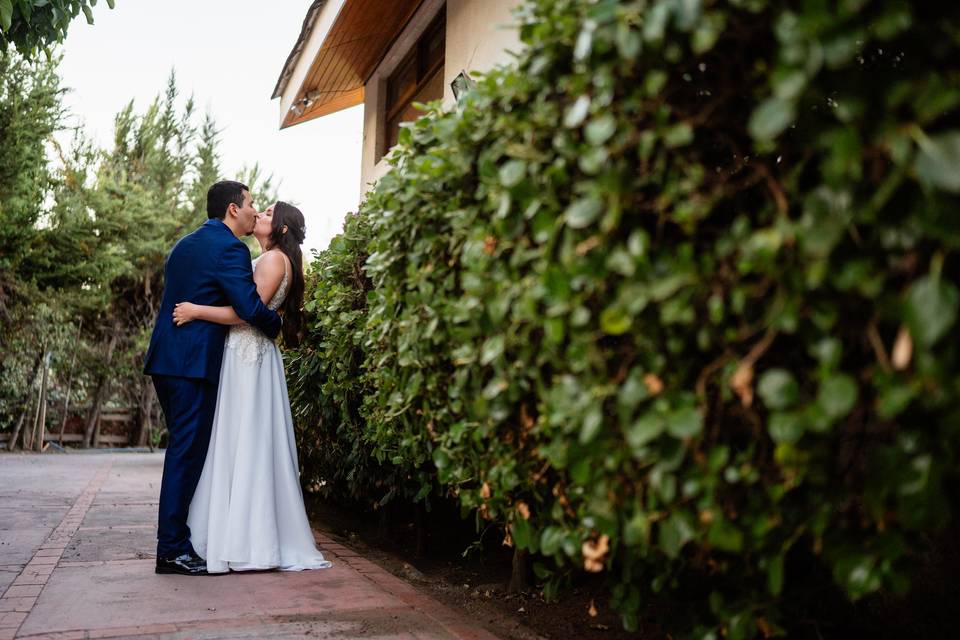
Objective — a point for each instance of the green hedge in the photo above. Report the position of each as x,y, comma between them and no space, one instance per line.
671,299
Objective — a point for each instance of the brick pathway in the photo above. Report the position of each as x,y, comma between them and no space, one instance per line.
77,538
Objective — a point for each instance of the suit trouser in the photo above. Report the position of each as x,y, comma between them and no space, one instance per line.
188,406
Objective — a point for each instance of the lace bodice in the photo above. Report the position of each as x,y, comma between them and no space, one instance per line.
249,343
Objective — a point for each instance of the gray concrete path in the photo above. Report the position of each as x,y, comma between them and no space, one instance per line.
77,541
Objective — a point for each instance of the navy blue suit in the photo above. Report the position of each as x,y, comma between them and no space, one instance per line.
210,267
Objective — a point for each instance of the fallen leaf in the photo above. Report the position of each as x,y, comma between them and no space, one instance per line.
594,552
592,611
742,384
902,350
765,628
584,247
653,383
523,510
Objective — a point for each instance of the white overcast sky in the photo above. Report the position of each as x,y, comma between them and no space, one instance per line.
228,54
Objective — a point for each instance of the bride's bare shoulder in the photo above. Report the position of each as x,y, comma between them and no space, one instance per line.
275,258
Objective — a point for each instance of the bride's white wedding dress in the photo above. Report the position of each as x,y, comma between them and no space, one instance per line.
247,512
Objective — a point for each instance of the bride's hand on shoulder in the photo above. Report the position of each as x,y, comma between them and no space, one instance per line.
185,312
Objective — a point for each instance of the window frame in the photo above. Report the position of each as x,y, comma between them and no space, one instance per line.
426,71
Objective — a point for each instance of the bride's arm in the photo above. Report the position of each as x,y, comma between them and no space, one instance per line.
185,312
267,277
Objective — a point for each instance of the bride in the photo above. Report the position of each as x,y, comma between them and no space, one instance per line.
248,512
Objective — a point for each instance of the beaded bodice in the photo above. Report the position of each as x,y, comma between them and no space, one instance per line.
249,342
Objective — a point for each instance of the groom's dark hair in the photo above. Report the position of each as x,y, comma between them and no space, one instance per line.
221,194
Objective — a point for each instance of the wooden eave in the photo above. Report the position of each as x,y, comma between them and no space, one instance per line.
358,39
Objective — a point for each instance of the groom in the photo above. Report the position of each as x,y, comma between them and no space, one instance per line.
210,266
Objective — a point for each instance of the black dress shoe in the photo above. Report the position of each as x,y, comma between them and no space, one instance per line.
186,564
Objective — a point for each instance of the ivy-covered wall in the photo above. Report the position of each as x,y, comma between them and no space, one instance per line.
674,298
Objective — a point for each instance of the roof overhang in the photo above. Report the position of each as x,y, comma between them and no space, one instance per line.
339,47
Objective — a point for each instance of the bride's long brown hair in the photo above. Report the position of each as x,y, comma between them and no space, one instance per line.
287,231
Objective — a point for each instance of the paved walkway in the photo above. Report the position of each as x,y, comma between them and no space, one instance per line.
77,541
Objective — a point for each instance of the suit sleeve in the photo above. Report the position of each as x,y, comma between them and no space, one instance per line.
236,277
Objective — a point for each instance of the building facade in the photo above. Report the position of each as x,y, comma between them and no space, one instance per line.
387,55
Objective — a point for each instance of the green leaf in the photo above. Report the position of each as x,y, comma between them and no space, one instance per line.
6,14
583,211
778,389
628,41
581,50
633,390
938,162
785,427
592,422
492,349
775,575
678,135
551,540
615,320
741,627
441,458
645,429
931,309
857,574
601,129
512,173
636,530
88,13
893,399
827,351
520,532
770,119
725,536
837,395
577,112
684,423
675,532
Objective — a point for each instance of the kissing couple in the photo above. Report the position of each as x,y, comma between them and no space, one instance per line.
230,498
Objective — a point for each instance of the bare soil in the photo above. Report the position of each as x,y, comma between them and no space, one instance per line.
475,584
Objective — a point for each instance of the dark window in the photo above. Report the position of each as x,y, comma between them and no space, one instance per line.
419,78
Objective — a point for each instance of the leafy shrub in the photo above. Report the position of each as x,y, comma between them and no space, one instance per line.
672,299
328,388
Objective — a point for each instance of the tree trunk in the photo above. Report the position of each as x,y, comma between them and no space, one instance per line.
91,432
522,575
26,404
145,414
154,419
40,428
28,434
12,441
66,398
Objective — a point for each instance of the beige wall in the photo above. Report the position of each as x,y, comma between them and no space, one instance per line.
479,36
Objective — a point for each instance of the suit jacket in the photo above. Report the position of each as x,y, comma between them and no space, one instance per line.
211,267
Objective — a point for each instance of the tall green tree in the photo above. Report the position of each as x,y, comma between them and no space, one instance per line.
85,235
32,25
